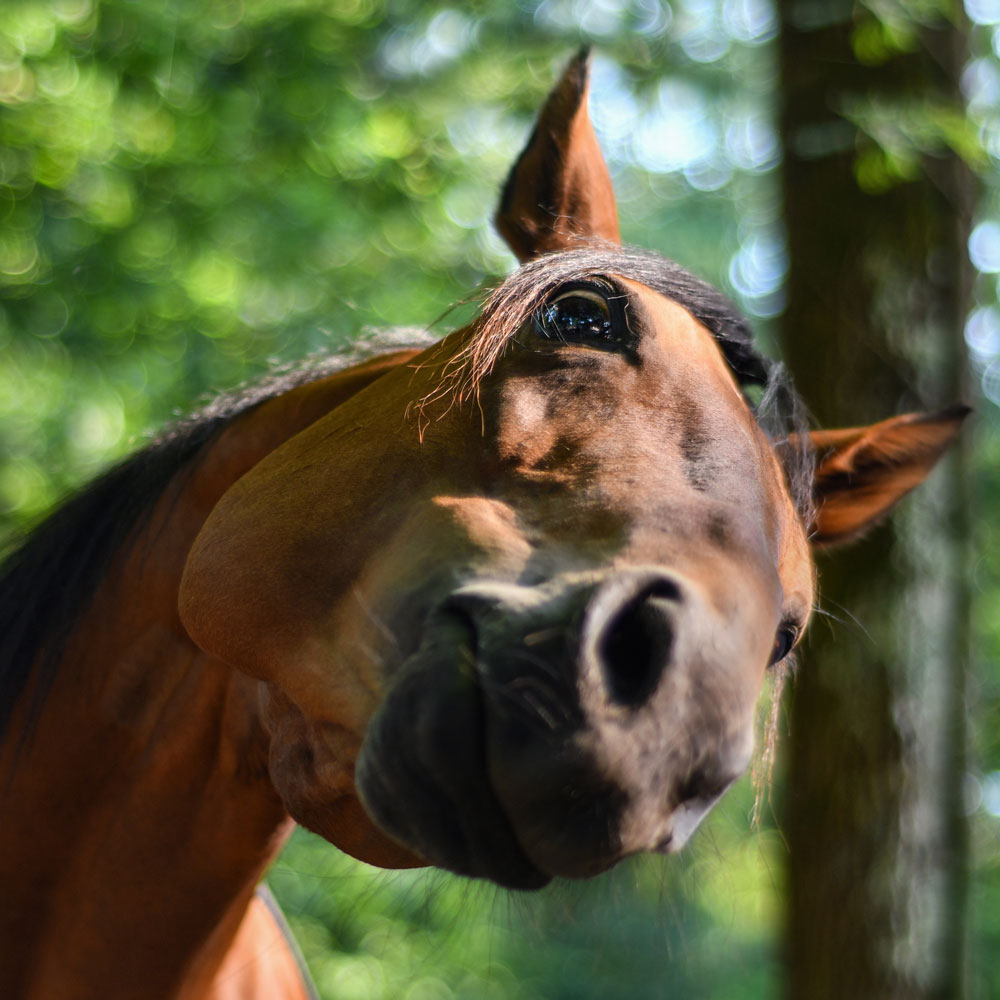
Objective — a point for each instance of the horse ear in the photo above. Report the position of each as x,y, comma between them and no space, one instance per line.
559,190
862,472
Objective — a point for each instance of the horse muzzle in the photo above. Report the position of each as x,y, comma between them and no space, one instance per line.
553,730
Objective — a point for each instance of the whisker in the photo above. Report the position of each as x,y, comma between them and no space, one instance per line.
849,619
375,619
526,693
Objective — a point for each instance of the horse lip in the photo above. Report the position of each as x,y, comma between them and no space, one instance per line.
531,877
431,800
688,816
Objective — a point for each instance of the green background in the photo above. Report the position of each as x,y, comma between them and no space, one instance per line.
191,192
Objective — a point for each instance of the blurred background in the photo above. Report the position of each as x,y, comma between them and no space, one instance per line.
193,192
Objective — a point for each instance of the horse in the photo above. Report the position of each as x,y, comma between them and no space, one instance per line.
503,604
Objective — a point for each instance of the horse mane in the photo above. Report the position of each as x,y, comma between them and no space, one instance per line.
49,574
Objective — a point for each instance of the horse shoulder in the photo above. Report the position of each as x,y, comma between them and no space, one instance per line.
148,753
263,962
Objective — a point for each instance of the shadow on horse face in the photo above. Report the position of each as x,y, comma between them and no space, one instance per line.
513,603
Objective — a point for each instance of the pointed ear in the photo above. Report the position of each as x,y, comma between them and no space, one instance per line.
863,471
559,191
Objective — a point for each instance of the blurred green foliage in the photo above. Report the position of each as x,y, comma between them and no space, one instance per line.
191,190
981,84
701,925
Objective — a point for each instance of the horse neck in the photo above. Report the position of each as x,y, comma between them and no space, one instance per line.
137,821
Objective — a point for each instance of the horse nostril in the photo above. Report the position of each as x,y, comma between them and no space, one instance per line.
636,643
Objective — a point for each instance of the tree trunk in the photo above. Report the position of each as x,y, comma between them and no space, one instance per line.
877,292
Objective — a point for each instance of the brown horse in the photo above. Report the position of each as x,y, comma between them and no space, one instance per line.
502,606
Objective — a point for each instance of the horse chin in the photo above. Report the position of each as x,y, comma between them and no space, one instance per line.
306,765
422,773
345,823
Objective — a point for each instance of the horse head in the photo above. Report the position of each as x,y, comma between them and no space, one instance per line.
511,606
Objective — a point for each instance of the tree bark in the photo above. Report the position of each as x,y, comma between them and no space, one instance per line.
877,293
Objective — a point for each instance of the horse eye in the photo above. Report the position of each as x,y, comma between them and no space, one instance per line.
783,643
577,315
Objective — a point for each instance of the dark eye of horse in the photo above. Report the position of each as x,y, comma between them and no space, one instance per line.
783,643
578,315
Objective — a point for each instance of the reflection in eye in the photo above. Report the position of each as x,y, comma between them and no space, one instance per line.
577,315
